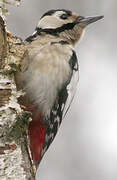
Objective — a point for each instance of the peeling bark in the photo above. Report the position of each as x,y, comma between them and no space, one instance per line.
15,158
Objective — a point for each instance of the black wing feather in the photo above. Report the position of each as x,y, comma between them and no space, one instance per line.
60,108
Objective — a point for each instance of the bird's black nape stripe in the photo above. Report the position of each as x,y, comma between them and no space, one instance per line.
58,30
54,32
49,13
60,42
32,37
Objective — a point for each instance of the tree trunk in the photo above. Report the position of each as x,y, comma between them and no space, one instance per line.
15,158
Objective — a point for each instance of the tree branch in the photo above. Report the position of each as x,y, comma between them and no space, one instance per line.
15,158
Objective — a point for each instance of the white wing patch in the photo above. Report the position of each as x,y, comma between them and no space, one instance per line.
71,89
72,86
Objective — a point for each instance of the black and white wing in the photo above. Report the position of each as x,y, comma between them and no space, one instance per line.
60,108
72,86
67,93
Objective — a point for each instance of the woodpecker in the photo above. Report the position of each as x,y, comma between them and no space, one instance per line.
49,74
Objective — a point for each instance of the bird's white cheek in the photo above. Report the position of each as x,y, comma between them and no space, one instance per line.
49,22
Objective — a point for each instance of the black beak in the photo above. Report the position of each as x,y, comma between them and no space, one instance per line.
88,20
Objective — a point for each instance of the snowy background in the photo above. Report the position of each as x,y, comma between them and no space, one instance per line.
85,147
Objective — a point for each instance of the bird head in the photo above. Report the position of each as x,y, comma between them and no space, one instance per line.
64,24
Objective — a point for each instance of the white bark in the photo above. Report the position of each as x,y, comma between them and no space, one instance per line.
15,158
13,165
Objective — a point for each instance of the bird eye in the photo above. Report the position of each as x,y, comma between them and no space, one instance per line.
64,16
80,18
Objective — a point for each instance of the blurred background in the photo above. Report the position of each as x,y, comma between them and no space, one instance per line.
85,147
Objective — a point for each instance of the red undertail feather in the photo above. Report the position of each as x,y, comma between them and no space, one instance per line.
37,132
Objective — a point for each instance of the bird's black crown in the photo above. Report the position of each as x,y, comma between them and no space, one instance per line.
50,12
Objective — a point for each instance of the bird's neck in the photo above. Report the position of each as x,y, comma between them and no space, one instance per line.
47,38
72,36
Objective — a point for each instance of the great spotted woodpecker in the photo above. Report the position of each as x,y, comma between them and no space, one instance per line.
49,74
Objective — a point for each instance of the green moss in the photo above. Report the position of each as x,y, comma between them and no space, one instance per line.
19,129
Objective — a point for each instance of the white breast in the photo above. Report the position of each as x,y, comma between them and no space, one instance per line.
48,71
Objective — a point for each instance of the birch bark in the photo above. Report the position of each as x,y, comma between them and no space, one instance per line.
15,159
